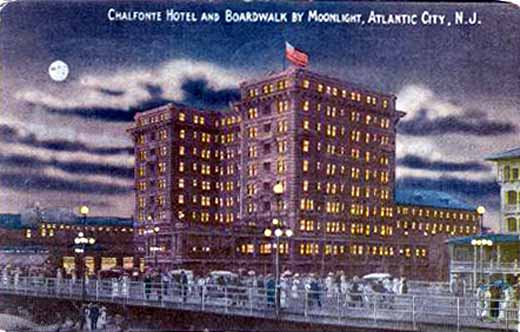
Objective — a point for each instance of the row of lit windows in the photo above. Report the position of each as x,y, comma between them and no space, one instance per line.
205,217
143,217
145,120
331,170
332,188
280,205
355,116
338,92
48,230
269,88
313,248
435,213
159,200
202,153
435,227
367,210
229,121
355,136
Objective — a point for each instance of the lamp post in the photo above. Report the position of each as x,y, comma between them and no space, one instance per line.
152,249
480,244
80,243
481,210
278,233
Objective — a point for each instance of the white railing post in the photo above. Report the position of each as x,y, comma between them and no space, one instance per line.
458,314
97,289
226,298
338,303
306,304
518,319
414,325
203,296
374,300
251,300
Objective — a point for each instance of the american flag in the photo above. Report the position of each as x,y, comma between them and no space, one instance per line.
296,56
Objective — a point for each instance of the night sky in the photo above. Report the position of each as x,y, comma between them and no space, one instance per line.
64,143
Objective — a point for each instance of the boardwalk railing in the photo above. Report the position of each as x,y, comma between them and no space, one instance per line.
349,309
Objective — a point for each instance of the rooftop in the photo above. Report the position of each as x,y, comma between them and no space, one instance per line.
430,198
496,238
291,70
14,221
504,155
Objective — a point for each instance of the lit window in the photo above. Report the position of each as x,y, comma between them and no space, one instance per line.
305,166
305,146
182,116
306,105
305,84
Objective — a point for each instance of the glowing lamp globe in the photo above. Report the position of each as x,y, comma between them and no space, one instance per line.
84,210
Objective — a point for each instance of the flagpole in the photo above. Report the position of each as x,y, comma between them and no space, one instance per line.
284,55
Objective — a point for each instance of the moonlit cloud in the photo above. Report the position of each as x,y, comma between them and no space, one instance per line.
125,90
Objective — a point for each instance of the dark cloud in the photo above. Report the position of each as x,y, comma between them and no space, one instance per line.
198,93
416,162
27,182
17,161
12,135
96,113
110,92
470,189
470,123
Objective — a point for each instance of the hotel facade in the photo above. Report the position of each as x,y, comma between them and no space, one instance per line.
204,184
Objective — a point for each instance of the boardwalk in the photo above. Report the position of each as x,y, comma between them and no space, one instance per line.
403,312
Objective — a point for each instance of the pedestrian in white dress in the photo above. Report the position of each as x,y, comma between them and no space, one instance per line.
102,321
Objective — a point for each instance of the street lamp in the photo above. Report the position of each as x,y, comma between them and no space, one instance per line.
479,243
152,248
80,243
278,233
480,211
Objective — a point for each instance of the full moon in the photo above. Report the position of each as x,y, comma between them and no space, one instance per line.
58,71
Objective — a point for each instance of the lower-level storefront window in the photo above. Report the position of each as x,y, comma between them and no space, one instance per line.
69,264
108,263
128,263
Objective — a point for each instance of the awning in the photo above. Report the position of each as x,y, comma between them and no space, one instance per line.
496,238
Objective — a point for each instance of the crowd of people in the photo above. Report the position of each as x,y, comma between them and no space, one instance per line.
493,301
92,317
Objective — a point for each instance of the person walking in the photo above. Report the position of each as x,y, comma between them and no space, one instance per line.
403,287
82,317
147,285
184,286
94,315
102,318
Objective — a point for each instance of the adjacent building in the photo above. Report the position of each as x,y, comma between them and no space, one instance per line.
494,256
48,244
204,183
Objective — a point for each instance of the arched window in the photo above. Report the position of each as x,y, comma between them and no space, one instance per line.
507,174
511,225
511,197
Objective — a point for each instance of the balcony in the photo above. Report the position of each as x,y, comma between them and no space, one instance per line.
487,267
511,208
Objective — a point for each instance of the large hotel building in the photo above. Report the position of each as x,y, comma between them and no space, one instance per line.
204,184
